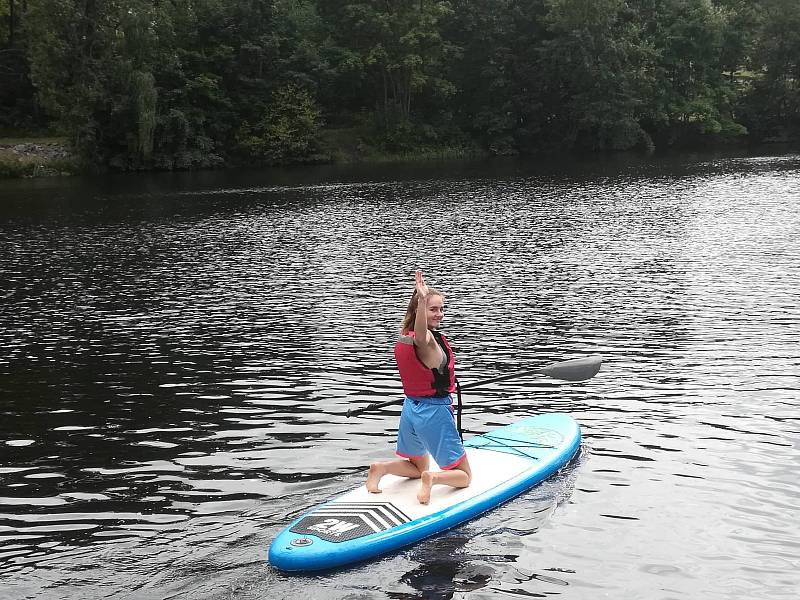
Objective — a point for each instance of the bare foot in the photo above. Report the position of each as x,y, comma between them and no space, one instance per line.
424,493
374,478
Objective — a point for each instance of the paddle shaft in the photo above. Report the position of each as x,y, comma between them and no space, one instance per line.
577,369
467,386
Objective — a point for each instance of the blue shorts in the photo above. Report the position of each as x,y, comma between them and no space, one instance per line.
427,425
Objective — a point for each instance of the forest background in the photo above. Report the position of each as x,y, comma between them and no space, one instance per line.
180,84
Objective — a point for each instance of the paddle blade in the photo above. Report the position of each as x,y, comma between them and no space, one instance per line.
577,369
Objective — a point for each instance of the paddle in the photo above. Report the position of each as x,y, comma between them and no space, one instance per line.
576,369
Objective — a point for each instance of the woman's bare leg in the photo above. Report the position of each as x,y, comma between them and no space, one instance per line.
411,468
459,477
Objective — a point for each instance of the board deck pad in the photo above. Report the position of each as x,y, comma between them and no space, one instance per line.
358,524
343,521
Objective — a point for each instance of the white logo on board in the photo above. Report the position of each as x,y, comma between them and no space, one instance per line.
333,527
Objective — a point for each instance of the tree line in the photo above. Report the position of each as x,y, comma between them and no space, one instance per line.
172,84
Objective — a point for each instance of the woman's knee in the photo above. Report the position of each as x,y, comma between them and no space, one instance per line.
422,464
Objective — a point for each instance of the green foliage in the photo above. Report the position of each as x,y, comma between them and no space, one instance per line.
202,83
771,105
19,110
594,60
287,131
691,95
399,47
145,96
495,72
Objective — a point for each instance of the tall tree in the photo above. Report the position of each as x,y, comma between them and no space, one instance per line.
691,94
400,46
772,106
495,73
91,62
593,71
146,84
19,109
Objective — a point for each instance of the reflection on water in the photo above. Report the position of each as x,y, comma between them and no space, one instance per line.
177,361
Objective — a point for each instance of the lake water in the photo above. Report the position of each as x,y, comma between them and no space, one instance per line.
177,353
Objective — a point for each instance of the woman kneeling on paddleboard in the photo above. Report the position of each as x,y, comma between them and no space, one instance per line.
427,426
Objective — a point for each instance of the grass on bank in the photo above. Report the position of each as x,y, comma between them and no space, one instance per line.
16,165
350,145
423,154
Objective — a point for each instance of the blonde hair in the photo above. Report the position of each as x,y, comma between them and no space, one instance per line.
411,310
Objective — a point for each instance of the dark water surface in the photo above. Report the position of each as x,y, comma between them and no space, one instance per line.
177,353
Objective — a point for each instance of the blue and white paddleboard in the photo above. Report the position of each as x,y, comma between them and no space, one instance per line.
358,525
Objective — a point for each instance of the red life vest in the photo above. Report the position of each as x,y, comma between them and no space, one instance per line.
419,380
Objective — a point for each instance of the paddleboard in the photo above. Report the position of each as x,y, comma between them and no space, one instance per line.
359,525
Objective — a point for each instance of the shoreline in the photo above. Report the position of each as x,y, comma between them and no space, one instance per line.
29,158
